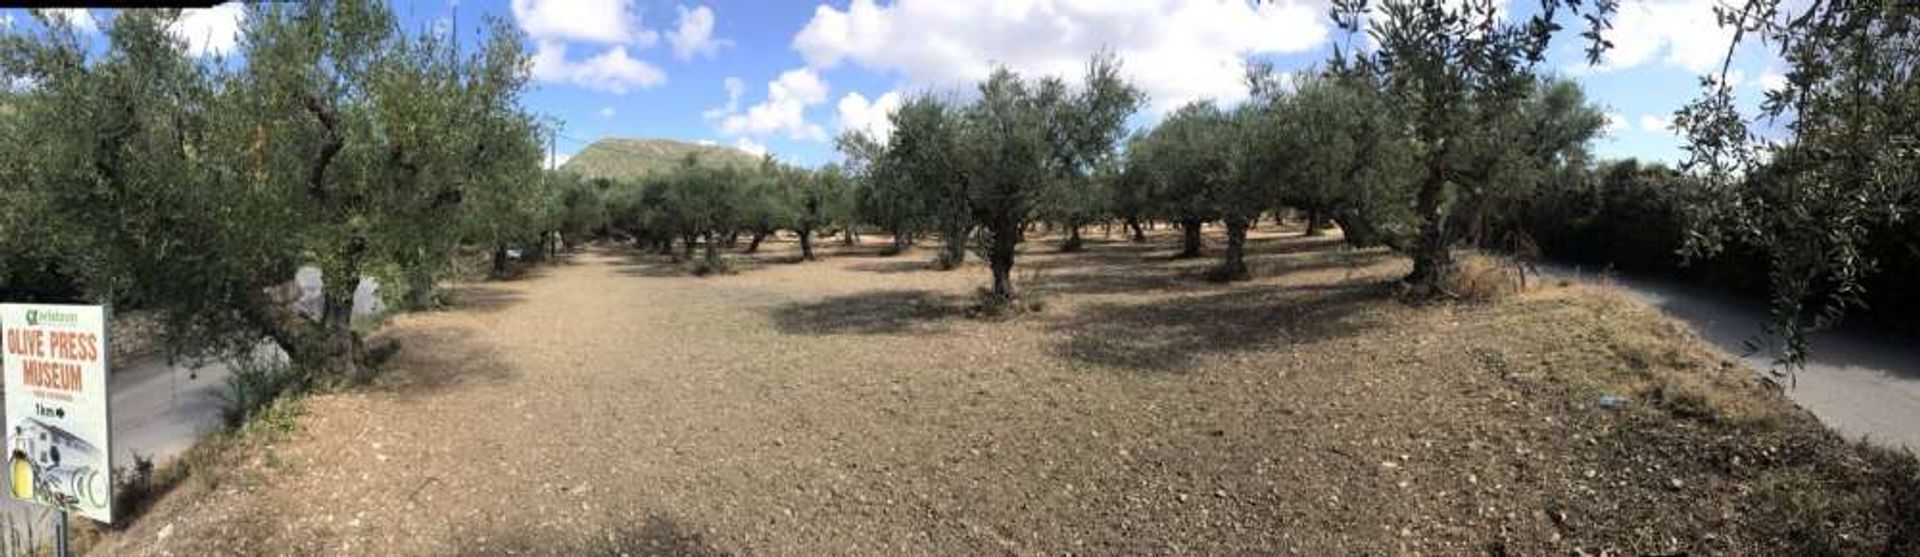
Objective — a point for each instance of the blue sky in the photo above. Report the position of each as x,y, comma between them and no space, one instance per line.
786,76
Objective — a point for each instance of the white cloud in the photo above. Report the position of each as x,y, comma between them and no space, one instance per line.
557,159
606,112
612,71
212,30
1735,77
1772,80
1616,123
735,88
706,142
1685,31
784,110
81,19
750,147
1655,123
1176,50
614,23
6,21
694,36
599,21
857,113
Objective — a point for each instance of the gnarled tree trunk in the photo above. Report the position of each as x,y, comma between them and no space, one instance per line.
500,263
1073,243
1000,259
1432,258
1190,237
342,352
1235,265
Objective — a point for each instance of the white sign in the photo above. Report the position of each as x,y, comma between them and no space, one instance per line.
55,366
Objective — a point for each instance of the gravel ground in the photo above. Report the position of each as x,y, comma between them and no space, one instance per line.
614,405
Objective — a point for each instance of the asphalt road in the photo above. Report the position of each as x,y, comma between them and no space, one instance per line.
1860,382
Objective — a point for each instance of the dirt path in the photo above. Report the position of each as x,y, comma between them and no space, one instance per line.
612,405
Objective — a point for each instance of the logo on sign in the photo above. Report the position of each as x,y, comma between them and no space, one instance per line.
36,318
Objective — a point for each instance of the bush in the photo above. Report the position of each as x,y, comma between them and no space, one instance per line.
256,383
723,265
1481,277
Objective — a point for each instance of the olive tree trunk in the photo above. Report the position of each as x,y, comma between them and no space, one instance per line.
1432,258
1190,237
1234,267
343,354
1073,243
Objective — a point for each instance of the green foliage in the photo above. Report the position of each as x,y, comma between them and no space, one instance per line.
701,206
1621,214
1084,132
1817,203
1022,137
1348,159
254,385
922,153
195,187
1456,75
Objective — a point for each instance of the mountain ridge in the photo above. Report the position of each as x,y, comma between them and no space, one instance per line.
626,158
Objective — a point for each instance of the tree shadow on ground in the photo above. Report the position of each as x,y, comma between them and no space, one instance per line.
887,312
893,267
482,297
1119,280
529,269
1118,273
438,358
634,263
1167,335
837,249
658,536
1355,262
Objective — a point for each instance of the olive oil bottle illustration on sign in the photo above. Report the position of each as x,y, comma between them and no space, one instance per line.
53,467
55,370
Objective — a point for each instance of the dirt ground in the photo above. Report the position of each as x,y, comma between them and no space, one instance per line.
614,405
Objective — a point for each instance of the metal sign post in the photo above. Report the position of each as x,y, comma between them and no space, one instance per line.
60,534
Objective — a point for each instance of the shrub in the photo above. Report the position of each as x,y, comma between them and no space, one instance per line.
1481,277
723,265
256,383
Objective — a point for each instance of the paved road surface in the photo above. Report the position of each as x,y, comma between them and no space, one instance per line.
1860,382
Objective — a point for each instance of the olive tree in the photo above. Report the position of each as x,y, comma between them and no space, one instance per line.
1451,69
1347,161
1083,135
1005,153
197,188
1190,154
1838,189
921,151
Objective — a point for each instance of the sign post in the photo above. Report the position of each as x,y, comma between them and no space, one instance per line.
59,454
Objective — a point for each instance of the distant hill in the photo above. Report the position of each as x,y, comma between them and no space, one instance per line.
624,158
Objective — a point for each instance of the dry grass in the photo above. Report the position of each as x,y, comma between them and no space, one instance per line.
1610,343
849,406
1484,278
